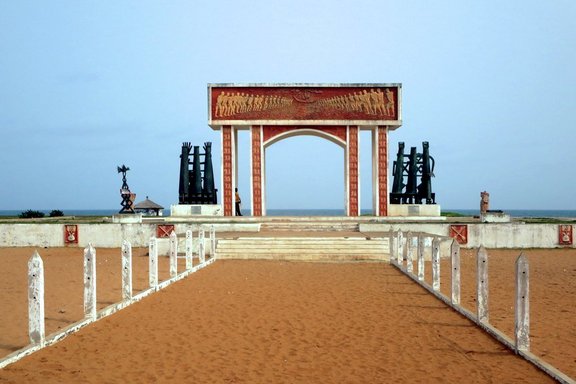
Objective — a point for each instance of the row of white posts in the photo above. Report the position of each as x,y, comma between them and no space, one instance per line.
36,324
405,248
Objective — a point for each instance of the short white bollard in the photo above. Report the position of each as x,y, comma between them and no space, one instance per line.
212,241
421,258
36,327
201,250
522,310
90,282
436,264
173,255
455,262
400,248
189,250
391,248
482,285
153,262
409,252
126,270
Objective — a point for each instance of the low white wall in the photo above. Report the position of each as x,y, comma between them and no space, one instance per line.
491,235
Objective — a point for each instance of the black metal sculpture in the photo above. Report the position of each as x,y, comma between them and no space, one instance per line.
418,164
125,192
196,184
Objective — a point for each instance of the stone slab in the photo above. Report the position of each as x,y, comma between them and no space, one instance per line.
414,210
187,210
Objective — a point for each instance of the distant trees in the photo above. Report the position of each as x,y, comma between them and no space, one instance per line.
31,214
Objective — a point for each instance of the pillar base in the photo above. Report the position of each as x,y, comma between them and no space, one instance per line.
184,210
414,210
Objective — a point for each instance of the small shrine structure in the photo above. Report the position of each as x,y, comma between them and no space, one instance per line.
336,112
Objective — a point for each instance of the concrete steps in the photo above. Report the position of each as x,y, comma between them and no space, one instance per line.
303,226
304,248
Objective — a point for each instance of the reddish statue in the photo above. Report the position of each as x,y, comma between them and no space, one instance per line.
484,201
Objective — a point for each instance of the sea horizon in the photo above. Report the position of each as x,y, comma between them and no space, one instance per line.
315,212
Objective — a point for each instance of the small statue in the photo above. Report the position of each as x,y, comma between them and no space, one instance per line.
125,192
484,202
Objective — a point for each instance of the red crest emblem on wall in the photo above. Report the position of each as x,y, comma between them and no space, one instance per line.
459,232
164,230
565,235
70,234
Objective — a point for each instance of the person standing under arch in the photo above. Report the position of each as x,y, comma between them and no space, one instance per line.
238,201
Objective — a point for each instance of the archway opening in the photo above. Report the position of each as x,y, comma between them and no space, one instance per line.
304,177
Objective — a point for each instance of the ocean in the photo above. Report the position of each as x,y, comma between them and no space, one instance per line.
320,212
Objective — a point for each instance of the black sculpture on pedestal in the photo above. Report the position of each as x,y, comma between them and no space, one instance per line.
418,164
125,192
196,184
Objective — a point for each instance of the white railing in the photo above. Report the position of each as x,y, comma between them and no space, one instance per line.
401,256
36,313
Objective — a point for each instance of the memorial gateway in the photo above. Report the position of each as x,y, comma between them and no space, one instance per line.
336,112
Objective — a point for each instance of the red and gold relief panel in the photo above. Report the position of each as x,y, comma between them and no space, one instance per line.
304,103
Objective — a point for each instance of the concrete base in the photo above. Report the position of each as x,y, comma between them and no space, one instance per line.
185,210
414,210
135,218
494,217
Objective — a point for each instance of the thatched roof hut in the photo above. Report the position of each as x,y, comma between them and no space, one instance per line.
148,207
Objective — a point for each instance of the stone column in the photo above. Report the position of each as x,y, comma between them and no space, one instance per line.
228,170
353,172
256,179
382,176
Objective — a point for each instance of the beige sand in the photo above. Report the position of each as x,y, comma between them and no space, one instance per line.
279,322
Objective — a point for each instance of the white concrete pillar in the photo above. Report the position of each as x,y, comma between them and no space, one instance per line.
90,282
36,325
126,270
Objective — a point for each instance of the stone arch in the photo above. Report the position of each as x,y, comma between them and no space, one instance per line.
306,131
337,112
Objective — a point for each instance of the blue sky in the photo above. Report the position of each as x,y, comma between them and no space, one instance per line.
86,86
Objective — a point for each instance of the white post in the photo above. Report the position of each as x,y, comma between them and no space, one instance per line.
36,328
421,258
201,251
409,252
436,264
90,282
126,270
391,249
455,261
189,251
173,254
482,285
522,310
400,248
212,241
153,262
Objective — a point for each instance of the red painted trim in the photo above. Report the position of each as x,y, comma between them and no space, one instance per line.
257,170
353,197
382,171
228,188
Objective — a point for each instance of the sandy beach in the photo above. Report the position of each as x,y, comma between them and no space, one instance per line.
286,322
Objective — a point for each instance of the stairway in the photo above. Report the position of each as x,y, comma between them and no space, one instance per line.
309,226
304,248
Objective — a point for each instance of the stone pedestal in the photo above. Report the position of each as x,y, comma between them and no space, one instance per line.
135,218
184,210
494,217
414,210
